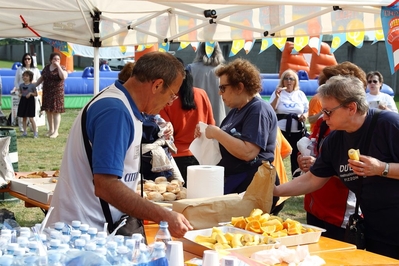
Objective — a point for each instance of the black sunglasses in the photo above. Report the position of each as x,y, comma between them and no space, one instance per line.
290,79
372,81
27,58
222,88
328,113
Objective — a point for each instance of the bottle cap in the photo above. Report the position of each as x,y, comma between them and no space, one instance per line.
76,223
75,233
59,225
163,224
92,231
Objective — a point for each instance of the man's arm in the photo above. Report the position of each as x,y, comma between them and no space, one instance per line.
110,189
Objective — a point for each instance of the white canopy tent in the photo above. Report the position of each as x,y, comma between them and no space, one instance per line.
105,23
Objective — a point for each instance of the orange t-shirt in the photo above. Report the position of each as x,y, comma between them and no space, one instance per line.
314,108
185,121
282,150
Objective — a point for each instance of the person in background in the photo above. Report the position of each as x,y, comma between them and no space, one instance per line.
283,150
314,111
330,206
247,136
203,71
376,98
191,107
114,129
53,78
348,116
150,135
27,64
291,106
27,106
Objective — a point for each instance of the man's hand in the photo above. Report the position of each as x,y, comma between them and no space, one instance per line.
178,224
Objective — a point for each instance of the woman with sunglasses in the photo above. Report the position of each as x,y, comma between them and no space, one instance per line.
375,97
291,106
247,136
27,64
374,177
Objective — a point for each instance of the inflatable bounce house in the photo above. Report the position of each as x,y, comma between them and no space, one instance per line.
79,84
308,72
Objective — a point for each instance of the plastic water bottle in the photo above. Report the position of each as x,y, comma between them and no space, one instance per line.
75,234
11,247
312,147
92,231
158,251
76,224
235,133
54,244
122,255
119,239
54,258
163,234
59,226
111,252
130,243
80,244
18,257
84,228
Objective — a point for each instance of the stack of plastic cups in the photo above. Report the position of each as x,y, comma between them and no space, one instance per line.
174,253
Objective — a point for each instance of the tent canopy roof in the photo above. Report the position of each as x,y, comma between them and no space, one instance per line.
123,22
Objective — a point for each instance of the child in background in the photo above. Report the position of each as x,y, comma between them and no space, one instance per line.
27,107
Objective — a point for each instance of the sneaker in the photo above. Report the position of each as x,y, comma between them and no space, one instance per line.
35,135
24,134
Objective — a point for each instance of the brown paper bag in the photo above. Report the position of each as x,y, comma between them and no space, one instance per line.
208,212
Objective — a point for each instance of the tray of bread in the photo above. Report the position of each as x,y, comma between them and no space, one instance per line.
163,191
53,175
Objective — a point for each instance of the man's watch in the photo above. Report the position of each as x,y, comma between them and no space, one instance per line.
386,170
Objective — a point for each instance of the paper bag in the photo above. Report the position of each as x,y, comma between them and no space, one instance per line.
208,212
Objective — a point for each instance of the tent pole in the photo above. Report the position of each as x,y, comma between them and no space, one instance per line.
42,52
96,88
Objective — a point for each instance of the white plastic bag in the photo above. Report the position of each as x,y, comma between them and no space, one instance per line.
205,150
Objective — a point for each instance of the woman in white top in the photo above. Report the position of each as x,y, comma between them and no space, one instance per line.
375,97
27,64
291,106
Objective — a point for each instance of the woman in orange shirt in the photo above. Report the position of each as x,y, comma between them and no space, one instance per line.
191,107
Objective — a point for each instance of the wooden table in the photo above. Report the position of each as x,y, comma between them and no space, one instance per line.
333,252
29,202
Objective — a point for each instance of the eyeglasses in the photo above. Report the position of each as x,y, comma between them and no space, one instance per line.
372,81
222,88
27,58
328,113
174,96
290,79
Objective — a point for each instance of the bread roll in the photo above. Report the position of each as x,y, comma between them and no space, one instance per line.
174,188
154,196
354,154
161,188
160,179
182,194
148,186
169,196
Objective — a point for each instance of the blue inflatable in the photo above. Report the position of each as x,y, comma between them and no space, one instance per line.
81,82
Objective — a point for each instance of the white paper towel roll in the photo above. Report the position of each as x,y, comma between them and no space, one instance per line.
205,181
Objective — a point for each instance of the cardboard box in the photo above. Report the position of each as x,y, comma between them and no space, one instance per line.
41,192
20,185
